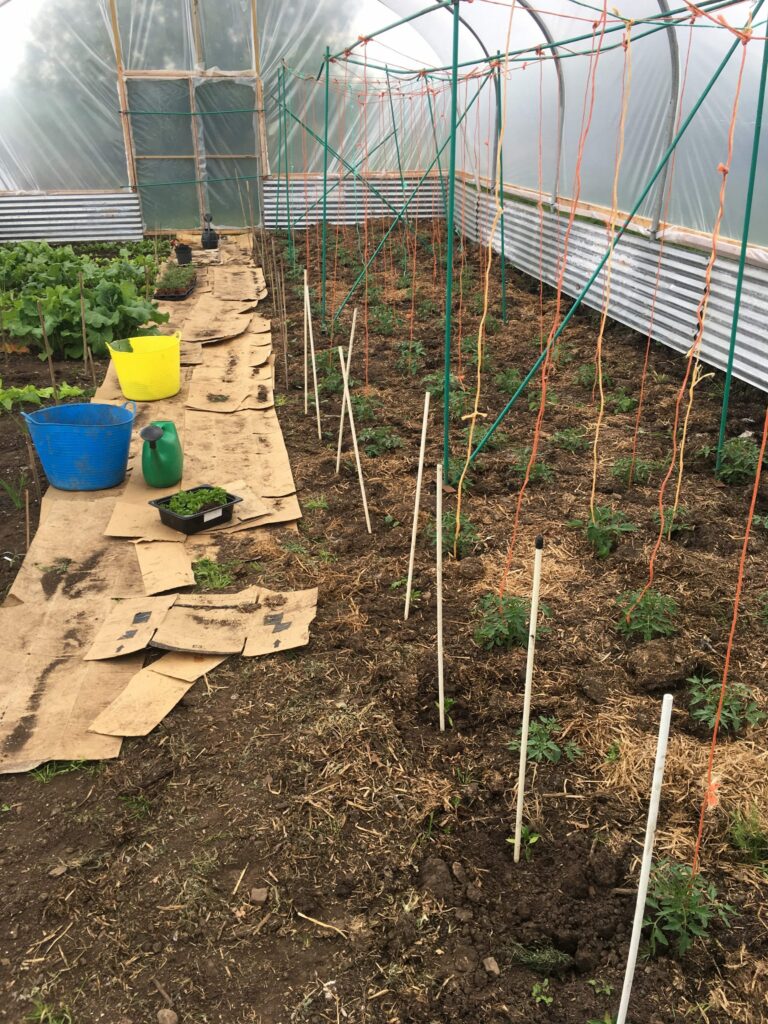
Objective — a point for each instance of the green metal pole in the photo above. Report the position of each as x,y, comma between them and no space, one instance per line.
500,175
325,183
614,242
450,217
291,247
742,255
280,144
434,136
401,211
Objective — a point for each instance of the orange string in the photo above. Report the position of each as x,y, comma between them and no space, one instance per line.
710,793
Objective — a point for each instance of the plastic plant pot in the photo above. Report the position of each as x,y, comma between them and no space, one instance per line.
204,519
183,255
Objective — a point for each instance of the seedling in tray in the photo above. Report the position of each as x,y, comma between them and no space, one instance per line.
176,282
195,509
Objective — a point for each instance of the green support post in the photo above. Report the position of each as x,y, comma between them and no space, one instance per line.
500,175
450,216
402,210
291,247
325,183
742,255
279,145
614,242
434,136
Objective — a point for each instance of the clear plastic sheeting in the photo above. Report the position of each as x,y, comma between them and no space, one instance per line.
192,99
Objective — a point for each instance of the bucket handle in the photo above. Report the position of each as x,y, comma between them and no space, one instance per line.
130,405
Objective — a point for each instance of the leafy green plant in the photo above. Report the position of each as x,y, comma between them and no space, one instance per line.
605,529
189,503
376,441
680,907
12,397
468,539
539,472
528,839
677,522
747,834
586,377
410,357
570,439
175,280
540,993
628,471
365,408
51,769
534,399
455,469
607,1018
646,617
508,381
115,292
542,745
458,397
503,621
448,703
621,401
739,459
739,706
210,575
600,987
384,320
416,595
613,753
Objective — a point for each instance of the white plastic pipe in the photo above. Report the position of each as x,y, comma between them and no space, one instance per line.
306,347
645,867
439,557
344,404
312,356
348,402
532,623
415,527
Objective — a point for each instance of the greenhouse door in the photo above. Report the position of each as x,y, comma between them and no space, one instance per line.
195,151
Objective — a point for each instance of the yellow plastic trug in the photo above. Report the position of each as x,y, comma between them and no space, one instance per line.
152,370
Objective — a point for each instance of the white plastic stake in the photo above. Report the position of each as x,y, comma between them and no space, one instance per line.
306,348
312,356
439,557
344,404
645,867
348,403
532,623
414,529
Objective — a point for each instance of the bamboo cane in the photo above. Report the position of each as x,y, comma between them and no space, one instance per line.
347,400
344,404
415,527
48,353
314,364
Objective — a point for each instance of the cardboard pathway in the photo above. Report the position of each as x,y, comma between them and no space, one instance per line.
104,581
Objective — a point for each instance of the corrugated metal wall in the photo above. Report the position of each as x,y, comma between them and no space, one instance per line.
348,203
71,217
633,279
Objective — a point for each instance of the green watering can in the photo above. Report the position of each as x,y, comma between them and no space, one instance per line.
162,460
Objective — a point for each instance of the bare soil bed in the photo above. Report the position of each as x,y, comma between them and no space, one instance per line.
298,843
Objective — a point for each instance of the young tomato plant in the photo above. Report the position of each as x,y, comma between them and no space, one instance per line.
503,622
680,908
542,745
646,617
604,529
739,706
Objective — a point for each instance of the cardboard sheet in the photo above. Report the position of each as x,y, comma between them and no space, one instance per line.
129,626
164,566
282,623
208,623
138,520
233,283
143,704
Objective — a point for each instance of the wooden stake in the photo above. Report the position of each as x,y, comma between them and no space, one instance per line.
534,616
439,574
48,353
415,527
348,402
314,364
645,867
306,347
87,356
32,464
26,515
343,404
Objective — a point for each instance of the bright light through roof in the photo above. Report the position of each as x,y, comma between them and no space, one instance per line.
403,46
16,21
